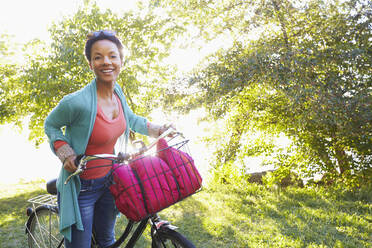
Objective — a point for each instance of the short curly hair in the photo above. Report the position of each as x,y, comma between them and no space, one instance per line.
102,35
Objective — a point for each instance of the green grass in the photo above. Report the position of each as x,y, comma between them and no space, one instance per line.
229,216
13,203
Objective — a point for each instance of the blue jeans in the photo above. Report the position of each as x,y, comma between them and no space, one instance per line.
98,213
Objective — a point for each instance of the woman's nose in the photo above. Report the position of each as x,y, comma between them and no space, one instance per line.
106,60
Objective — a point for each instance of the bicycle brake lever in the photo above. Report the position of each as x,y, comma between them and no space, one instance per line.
77,172
69,177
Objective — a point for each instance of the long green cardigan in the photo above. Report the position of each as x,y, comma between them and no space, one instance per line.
76,114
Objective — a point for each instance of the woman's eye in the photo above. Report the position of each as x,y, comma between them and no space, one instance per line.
96,58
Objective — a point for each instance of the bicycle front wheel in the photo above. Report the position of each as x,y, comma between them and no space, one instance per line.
165,238
43,228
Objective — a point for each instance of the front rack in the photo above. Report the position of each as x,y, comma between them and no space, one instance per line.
46,199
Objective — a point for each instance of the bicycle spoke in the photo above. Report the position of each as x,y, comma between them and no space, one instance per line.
52,242
34,239
39,225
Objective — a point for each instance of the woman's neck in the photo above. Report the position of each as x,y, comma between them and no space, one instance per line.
105,90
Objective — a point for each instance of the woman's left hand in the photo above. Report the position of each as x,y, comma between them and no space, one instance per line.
165,127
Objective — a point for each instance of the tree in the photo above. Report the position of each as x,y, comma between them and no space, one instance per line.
306,75
8,76
55,70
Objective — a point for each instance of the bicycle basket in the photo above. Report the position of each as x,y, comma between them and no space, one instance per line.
153,182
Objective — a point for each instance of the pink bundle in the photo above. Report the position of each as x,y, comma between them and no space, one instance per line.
152,183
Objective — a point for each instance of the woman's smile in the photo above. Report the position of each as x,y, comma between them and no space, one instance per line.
108,72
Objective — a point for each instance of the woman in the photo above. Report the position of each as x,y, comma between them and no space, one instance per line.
90,121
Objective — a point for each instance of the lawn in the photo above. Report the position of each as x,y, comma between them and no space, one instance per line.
230,216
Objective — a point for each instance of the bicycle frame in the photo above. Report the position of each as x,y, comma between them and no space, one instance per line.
136,235
155,222
50,200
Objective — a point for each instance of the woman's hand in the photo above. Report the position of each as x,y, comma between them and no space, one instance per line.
67,156
156,130
69,164
165,127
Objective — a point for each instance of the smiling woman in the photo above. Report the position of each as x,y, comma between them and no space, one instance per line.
90,121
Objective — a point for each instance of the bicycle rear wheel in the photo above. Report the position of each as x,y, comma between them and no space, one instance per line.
43,228
165,238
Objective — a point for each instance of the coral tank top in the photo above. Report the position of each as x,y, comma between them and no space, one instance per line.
102,140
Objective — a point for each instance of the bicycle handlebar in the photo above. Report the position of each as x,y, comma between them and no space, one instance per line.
82,160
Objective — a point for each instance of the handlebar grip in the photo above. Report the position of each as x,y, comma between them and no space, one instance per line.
79,169
77,159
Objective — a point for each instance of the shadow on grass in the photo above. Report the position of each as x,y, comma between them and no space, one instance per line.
303,218
13,218
320,220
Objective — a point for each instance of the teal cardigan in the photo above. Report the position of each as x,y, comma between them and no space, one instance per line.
72,121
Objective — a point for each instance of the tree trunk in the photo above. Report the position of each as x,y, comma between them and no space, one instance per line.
342,161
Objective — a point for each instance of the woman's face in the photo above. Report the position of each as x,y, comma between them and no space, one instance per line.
105,61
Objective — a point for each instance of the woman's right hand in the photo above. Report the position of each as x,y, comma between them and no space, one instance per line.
69,164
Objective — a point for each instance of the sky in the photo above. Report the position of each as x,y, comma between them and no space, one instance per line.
26,20
30,19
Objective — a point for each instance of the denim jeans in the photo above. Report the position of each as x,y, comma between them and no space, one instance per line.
98,212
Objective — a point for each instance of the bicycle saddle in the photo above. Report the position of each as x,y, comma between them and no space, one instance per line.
52,187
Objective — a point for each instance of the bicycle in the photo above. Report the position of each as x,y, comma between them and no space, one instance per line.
42,226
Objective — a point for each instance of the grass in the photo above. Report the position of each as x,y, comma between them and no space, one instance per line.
13,203
253,216
230,216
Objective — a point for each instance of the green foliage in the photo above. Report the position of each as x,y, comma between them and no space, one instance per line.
229,173
8,76
56,69
306,74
